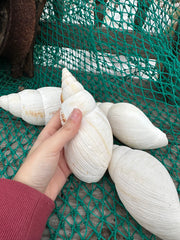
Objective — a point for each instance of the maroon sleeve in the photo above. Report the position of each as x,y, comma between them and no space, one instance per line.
23,211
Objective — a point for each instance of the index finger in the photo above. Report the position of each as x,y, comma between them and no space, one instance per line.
53,125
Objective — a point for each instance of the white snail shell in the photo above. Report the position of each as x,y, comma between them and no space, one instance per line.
105,106
147,191
132,127
89,152
34,106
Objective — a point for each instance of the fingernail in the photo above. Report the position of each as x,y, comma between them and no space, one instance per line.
75,115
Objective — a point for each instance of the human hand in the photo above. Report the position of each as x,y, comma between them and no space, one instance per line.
45,167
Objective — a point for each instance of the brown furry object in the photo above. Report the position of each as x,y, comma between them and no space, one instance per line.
18,24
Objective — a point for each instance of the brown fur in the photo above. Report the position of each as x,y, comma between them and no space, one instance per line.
20,33
17,43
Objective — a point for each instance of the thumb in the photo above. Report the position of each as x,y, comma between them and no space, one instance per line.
56,142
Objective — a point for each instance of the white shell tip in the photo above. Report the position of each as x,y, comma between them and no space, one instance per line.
118,152
115,146
165,140
4,103
161,140
70,85
67,74
65,71
67,78
105,107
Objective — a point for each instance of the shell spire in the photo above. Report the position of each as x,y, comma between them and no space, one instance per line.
74,96
35,106
69,85
11,103
4,103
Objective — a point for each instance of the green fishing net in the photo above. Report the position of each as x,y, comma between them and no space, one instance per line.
121,51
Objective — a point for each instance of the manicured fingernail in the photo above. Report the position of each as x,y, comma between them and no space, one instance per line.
75,115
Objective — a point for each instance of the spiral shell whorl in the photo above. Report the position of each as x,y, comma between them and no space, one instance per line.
11,103
50,97
69,85
74,96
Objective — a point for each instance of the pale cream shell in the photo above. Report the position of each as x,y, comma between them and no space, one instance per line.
133,128
147,191
34,106
89,152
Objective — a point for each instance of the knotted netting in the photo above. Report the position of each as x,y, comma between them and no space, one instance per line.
121,51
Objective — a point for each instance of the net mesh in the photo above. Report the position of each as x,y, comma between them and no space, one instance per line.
121,51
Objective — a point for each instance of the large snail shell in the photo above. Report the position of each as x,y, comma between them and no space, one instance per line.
89,153
147,191
34,106
133,128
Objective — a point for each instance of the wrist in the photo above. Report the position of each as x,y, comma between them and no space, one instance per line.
22,178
